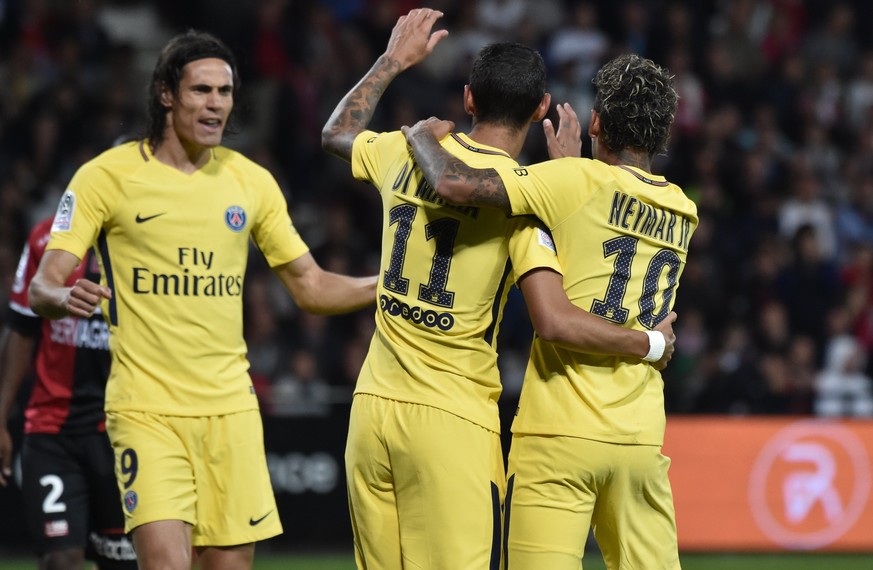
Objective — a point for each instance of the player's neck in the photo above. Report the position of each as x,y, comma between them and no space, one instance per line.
627,157
185,158
505,138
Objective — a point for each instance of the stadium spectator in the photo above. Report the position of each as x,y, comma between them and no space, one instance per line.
423,458
842,388
71,505
833,44
579,43
808,285
853,219
300,391
731,382
859,95
587,436
502,17
172,215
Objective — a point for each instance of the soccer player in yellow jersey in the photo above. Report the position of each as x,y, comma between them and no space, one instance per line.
423,460
586,447
172,217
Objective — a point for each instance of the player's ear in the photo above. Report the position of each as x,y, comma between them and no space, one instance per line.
469,104
543,108
594,124
166,95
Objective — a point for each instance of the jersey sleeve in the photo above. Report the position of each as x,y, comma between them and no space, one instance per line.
274,232
374,153
531,247
551,190
82,211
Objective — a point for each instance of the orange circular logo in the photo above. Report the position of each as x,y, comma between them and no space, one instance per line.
809,484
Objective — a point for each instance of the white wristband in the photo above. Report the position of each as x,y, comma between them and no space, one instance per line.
657,344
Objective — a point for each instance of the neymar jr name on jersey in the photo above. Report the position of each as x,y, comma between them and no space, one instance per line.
631,214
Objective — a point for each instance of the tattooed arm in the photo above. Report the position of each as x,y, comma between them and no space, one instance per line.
411,41
450,177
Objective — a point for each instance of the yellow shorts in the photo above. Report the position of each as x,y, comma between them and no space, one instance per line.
208,471
559,487
425,488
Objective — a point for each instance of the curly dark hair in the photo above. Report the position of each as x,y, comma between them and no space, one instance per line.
636,102
179,52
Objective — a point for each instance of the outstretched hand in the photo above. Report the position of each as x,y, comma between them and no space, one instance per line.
568,140
411,39
439,128
666,328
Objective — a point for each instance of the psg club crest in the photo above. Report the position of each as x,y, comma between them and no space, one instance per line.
235,218
130,501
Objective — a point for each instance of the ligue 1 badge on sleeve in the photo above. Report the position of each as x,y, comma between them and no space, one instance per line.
545,240
235,218
64,216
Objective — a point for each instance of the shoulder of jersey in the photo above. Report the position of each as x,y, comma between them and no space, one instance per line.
241,165
125,153
230,157
692,205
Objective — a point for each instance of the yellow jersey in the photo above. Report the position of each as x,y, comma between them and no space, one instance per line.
622,238
173,249
444,278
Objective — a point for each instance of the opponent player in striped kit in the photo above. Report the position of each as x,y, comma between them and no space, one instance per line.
423,459
71,503
587,437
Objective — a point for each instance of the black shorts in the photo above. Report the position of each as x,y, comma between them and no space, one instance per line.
71,498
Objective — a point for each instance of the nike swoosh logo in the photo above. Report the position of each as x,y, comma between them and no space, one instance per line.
141,219
254,522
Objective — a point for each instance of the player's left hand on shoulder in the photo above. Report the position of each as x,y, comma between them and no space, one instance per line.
439,128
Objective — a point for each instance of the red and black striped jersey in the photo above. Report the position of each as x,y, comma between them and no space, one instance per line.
72,359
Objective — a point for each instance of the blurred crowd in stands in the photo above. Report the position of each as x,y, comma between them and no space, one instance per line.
773,140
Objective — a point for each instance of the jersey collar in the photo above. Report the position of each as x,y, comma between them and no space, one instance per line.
468,143
644,176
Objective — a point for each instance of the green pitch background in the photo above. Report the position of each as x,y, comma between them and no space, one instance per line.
689,562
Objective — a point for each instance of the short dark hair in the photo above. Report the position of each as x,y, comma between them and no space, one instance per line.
179,52
508,81
636,101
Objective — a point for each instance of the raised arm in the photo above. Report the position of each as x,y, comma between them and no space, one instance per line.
450,177
411,41
51,298
559,321
323,292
